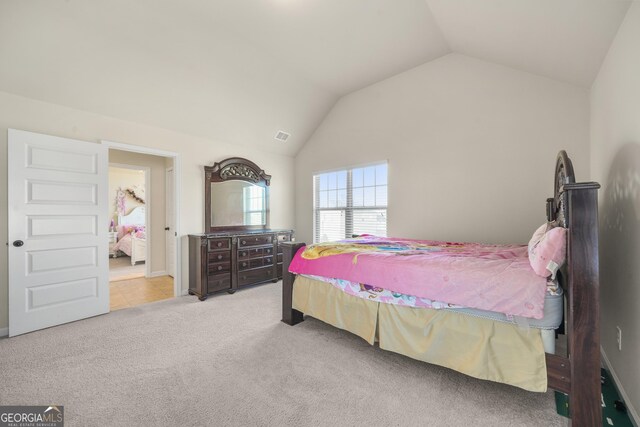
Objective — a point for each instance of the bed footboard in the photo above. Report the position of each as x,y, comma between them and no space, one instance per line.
290,316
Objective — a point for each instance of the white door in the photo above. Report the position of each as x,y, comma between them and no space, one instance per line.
170,226
58,246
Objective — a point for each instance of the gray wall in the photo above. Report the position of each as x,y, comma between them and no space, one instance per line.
615,163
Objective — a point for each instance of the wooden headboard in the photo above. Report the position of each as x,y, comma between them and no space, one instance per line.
557,205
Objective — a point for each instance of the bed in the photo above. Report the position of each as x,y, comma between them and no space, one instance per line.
131,235
512,349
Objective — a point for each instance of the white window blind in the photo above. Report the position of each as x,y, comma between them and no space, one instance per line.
350,201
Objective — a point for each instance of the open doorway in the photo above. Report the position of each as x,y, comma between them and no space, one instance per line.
128,211
141,255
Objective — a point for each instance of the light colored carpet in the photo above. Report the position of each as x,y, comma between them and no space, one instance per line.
230,361
120,268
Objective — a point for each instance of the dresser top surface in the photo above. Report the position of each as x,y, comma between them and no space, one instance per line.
241,233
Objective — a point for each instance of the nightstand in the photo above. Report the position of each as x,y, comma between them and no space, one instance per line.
112,242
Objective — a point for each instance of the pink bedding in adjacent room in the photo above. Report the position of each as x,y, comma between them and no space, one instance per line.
124,244
488,277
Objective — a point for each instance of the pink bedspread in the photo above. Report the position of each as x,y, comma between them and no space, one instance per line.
489,277
124,244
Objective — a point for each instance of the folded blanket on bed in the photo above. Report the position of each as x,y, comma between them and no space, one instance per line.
488,277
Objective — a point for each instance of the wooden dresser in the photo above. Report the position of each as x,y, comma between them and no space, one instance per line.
226,260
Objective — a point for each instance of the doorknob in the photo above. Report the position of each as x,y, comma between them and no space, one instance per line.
166,229
18,243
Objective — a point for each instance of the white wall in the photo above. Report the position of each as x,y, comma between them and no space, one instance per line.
22,113
471,148
157,207
615,163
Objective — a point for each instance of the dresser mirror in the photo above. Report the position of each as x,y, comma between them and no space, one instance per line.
238,203
236,196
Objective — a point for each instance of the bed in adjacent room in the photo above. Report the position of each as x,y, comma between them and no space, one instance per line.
488,311
131,235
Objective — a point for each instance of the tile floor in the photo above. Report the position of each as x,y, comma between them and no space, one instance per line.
132,292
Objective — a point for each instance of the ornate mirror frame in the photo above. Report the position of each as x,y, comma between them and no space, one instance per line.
234,168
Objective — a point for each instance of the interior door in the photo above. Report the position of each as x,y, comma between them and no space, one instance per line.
58,245
170,227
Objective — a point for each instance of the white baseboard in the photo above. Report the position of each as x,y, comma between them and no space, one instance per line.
158,273
184,292
4,332
633,414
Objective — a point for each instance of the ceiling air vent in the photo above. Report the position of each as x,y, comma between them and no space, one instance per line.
281,136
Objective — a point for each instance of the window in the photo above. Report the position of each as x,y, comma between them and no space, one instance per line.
348,202
253,205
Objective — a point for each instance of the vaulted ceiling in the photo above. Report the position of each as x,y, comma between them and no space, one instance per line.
566,40
240,70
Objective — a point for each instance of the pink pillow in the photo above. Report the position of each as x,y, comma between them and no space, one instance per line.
548,250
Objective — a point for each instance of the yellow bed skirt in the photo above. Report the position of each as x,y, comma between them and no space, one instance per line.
478,347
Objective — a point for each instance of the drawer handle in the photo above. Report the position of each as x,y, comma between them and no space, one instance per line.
244,264
219,267
244,242
257,239
219,256
219,244
244,254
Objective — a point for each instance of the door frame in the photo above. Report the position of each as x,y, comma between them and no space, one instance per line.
147,210
173,224
177,166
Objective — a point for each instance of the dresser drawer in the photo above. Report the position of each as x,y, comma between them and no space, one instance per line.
255,276
219,267
284,238
250,253
244,264
254,263
267,251
248,241
219,256
218,283
217,244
